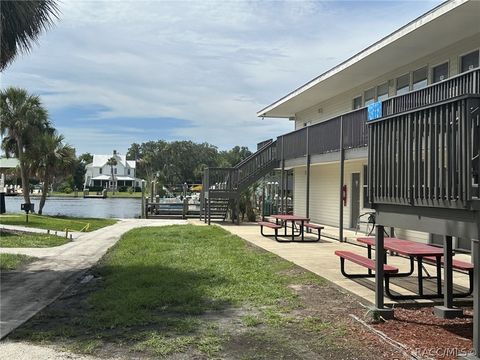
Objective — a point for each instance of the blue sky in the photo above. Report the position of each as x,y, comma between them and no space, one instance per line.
116,72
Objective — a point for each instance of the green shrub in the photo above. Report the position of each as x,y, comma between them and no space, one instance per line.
67,190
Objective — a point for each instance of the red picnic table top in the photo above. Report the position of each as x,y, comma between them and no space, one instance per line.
290,217
405,247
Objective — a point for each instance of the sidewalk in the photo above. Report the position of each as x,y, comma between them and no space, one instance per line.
26,292
320,259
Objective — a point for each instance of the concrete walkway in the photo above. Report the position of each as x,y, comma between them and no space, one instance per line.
74,234
24,293
320,259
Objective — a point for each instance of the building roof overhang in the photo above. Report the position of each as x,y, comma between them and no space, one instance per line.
451,22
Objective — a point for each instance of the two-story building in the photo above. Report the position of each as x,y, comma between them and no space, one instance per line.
431,59
101,173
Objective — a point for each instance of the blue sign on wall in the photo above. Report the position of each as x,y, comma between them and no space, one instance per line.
375,111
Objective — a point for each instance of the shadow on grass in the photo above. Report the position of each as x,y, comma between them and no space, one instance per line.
149,298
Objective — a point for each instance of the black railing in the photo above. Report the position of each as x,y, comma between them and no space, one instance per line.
244,173
462,84
324,137
428,156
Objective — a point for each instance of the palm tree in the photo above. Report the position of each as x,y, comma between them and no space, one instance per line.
112,162
22,120
55,159
21,23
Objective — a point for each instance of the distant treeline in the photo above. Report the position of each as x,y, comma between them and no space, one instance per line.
181,161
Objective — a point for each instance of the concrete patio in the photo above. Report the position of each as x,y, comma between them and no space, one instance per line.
320,259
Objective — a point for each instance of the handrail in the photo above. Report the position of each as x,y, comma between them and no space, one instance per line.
268,143
355,121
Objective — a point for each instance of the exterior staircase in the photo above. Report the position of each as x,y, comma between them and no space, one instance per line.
222,186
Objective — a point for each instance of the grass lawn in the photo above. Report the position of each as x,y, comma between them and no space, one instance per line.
8,239
56,222
187,291
14,261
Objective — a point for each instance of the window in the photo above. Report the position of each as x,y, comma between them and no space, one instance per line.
100,170
357,103
469,61
420,78
115,171
366,203
403,84
369,96
440,72
128,171
382,92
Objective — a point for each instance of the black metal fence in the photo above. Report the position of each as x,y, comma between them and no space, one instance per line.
428,156
324,137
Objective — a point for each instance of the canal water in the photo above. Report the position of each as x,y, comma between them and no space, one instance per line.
69,206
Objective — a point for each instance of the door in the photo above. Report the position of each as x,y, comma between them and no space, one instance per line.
355,200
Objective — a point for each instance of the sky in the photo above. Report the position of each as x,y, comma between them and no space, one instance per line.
112,73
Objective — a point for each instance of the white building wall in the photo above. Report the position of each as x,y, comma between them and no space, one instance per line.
325,192
343,103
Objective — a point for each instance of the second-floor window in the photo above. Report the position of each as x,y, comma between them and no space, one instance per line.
115,171
420,77
128,171
382,92
100,170
403,84
357,103
369,96
440,72
469,61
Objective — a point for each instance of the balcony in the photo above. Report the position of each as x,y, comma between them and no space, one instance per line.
349,130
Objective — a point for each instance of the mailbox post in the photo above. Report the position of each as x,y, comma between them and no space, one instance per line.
27,208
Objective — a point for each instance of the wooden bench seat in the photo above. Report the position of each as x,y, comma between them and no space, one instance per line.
456,264
313,226
309,225
269,225
362,261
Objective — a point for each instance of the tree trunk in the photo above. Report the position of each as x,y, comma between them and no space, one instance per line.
44,196
23,172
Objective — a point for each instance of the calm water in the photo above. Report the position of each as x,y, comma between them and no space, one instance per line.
101,208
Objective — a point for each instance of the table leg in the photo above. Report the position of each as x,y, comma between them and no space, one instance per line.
439,275
301,230
420,275
293,230
369,254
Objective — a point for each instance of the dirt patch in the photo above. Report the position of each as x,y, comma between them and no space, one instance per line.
318,328
429,336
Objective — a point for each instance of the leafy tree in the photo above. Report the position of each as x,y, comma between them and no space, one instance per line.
86,158
112,162
21,23
23,120
55,159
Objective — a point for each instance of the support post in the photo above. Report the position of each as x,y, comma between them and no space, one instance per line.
143,199
379,308
263,202
475,355
447,311
307,191
342,174
237,210
282,187
208,211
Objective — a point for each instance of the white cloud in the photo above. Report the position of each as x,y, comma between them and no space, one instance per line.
214,63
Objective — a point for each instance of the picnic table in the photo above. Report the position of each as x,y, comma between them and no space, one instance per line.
413,250
293,219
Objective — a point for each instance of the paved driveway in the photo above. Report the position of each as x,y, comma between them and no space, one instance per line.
24,293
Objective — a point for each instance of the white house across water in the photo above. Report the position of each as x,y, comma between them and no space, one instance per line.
99,172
